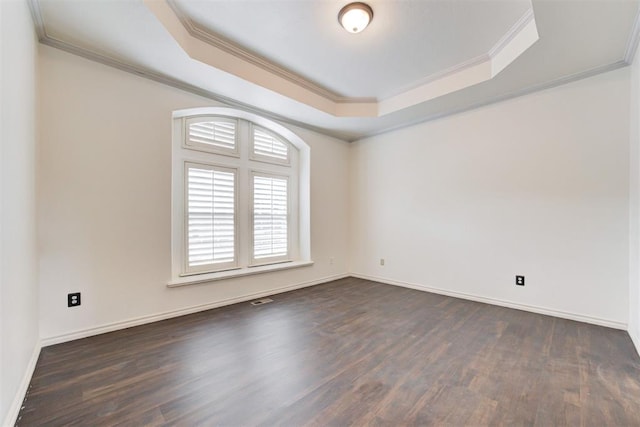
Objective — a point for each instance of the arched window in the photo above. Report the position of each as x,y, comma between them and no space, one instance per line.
240,196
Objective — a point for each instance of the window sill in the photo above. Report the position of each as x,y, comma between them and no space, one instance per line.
247,271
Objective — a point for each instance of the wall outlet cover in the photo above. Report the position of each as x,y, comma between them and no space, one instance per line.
73,299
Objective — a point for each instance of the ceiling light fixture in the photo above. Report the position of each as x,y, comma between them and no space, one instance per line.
355,17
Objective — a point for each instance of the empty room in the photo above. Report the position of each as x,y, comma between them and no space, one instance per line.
319,212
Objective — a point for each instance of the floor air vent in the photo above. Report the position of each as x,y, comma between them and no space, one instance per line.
261,301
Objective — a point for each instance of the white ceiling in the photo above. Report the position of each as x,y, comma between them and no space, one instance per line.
409,43
406,41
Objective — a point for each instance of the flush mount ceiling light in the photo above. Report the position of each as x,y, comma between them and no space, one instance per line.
355,17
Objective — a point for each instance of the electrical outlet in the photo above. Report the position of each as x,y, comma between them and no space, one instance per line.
519,280
331,261
381,261
73,300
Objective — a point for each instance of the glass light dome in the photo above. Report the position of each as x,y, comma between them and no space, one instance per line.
355,17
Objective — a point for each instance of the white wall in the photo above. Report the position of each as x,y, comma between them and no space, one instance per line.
105,201
634,200
536,186
19,342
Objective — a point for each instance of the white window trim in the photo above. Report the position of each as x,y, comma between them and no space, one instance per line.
300,247
240,272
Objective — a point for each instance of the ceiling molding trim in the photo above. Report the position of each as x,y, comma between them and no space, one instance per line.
500,98
217,57
632,42
175,83
47,40
507,38
178,84
447,84
520,37
172,82
458,68
38,21
209,48
512,33
518,42
206,35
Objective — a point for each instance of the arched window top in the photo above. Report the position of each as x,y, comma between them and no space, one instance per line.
268,146
212,133
241,195
233,114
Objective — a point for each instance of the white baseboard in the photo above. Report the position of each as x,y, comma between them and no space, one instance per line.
16,405
14,410
502,303
110,327
635,339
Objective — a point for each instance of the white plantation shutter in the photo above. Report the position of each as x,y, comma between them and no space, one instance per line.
270,217
267,146
211,217
236,195
217,134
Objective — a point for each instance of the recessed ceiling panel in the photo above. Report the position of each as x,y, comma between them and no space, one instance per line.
406,43
576,39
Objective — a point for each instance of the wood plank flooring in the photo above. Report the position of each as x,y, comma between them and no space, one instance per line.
350,352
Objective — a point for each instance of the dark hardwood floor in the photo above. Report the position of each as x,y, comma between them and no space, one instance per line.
350,352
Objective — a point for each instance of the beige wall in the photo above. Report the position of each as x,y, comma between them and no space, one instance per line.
536,186
105,202
18,263
540,185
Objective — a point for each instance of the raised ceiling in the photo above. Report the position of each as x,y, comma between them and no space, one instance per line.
291,60
487,48
404,45
416,41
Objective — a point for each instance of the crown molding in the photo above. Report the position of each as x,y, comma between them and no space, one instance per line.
217,40
512,33
500,98
515,30
36,16
458,68
214,39
520,37
254,71
347,136
632,42
46,39
207,47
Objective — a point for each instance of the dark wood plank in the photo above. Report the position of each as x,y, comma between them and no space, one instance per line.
349,352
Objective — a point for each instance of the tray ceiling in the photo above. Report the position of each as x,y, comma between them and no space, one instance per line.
291,60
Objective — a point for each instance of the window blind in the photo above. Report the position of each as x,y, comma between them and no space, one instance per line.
210,216
270,217
267,145
217,133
